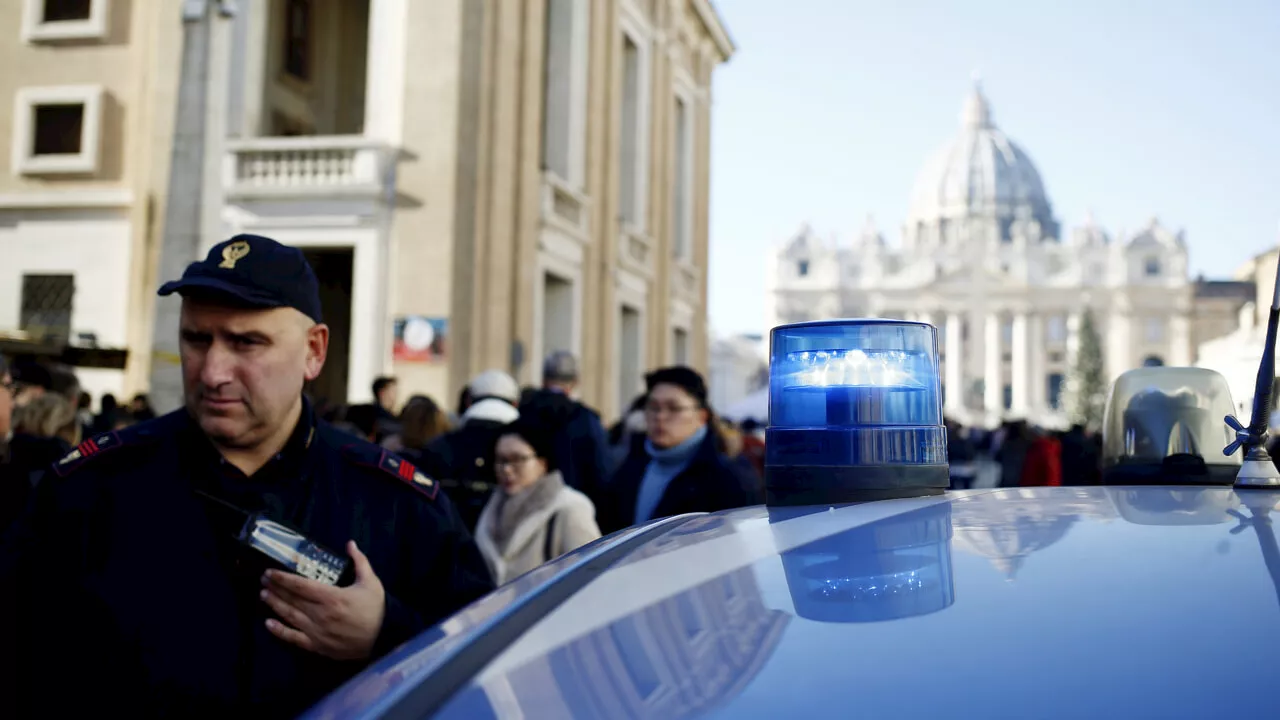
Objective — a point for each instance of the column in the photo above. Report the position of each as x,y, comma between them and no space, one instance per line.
955,365
1073,339
385,70
1181,352
1021,371
993,375
1117,341
1038,390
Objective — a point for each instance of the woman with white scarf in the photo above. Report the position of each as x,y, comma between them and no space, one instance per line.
532,517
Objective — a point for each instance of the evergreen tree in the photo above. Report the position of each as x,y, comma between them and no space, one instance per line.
1087,384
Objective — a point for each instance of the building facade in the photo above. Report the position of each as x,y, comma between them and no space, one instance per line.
739,367
480,183
476,183
983,257
1238,353
87,90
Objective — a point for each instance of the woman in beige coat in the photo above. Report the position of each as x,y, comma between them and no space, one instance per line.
532,517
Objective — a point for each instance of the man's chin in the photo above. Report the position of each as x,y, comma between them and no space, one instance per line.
223,430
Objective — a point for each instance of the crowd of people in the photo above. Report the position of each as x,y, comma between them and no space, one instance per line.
534,473
44,415
1024,455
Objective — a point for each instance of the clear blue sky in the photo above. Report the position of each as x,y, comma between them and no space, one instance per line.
1129,108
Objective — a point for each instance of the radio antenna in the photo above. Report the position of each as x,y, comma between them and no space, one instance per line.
1258,470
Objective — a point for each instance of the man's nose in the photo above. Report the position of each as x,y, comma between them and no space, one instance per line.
218,364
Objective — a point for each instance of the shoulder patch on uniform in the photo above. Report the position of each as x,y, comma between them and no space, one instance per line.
135,436
90,448
397,467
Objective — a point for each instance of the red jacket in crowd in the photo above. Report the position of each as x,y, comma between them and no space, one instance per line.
1044,463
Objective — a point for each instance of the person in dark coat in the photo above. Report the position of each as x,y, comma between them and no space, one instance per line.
44,431
129,555
679,468
960,456
106,419
462,459
386,397
581,447
1081,464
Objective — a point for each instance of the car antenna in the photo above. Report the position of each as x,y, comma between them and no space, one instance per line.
1258,470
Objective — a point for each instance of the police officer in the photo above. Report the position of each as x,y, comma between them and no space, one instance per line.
133,591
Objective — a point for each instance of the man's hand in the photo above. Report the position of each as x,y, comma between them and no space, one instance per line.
339,623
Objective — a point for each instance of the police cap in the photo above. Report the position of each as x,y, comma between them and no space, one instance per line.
252,271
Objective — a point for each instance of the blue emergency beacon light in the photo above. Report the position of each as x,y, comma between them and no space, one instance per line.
855,413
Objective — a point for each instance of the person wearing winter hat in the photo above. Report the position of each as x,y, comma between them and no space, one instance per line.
680,468
531,517
462,459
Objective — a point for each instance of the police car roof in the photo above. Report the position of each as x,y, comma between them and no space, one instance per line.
1021,602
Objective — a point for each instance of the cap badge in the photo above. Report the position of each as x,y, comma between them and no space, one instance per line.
232,253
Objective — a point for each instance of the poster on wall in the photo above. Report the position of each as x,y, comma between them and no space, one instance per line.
420,339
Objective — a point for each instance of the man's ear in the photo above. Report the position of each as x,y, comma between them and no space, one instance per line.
317,350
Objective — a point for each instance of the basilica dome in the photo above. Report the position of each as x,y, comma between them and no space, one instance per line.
980,172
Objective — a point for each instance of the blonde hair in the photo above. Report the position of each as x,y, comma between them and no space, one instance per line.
48,416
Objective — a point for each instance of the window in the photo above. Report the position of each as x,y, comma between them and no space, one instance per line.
629,360
1151,268
46,305
1055,357
64,10
1006,332
297,39
1008,397
682,200
1154,330
802,268
558,314
680,346
1056,329
56,130
633,147
1153,361
564,90
1053,387
52,20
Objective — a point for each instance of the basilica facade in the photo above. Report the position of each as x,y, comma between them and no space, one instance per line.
982,256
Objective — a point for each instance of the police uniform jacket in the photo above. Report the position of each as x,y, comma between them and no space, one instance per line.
131,595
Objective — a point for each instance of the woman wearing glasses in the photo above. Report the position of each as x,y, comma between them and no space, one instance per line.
532,517
682,465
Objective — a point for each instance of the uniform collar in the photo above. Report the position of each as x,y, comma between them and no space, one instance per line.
295,448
